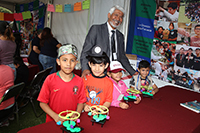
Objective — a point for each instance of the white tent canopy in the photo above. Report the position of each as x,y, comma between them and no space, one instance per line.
72,27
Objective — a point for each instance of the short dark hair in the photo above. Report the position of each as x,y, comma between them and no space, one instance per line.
173,5
160,27
18,60
198,25
190,49
99,60
144,64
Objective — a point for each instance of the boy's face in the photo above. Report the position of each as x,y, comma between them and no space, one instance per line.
189,51
197,52
98,69
181,51
197,30
116,76
144,72
67,62
171,11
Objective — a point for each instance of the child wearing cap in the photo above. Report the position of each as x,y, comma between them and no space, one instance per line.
63,90
142,79
98,86
119,87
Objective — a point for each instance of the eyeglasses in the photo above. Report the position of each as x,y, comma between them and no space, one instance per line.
197,28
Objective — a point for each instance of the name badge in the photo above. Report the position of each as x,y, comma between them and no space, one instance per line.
114,56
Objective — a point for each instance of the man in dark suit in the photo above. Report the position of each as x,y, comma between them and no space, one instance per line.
100,36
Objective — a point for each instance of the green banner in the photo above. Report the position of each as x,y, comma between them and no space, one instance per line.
145,8
142,46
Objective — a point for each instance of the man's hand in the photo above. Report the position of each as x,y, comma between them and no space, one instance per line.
85,73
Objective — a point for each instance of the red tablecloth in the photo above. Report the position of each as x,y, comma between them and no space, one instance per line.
163,114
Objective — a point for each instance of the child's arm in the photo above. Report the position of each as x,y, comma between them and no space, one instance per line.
79,107
107,104
155,89
50,112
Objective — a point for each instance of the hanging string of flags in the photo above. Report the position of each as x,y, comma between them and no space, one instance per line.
23,11
78,6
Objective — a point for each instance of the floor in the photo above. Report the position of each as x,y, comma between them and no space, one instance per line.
27,119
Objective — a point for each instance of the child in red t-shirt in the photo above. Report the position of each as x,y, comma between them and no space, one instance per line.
98,86
63,90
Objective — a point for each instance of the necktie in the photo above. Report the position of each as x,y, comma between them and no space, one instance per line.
113,43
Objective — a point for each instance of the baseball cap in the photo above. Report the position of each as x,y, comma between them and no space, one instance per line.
97,51
68,49
115,66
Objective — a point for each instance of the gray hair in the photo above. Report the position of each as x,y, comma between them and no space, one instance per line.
112,9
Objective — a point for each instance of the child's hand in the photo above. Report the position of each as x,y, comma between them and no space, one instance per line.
153,92
137,100
73,116
123,105
57,119
87,108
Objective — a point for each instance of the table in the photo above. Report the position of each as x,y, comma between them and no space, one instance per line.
162,114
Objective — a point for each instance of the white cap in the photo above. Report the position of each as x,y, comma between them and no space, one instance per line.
115,66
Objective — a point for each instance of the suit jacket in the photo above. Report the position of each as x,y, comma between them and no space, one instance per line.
98,36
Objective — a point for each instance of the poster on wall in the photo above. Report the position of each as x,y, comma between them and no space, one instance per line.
175,54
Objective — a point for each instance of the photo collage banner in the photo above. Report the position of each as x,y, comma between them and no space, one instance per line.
175,54
167,34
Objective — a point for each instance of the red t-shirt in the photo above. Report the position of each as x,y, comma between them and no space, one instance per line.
61,95
98,90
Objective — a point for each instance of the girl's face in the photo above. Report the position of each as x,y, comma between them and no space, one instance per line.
160,30
144,72
98,69
116,76
171,27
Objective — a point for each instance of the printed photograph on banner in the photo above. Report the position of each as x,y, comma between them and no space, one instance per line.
186,67
192,11
184,31
195,35
189,11
162,60
167,10
166,31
